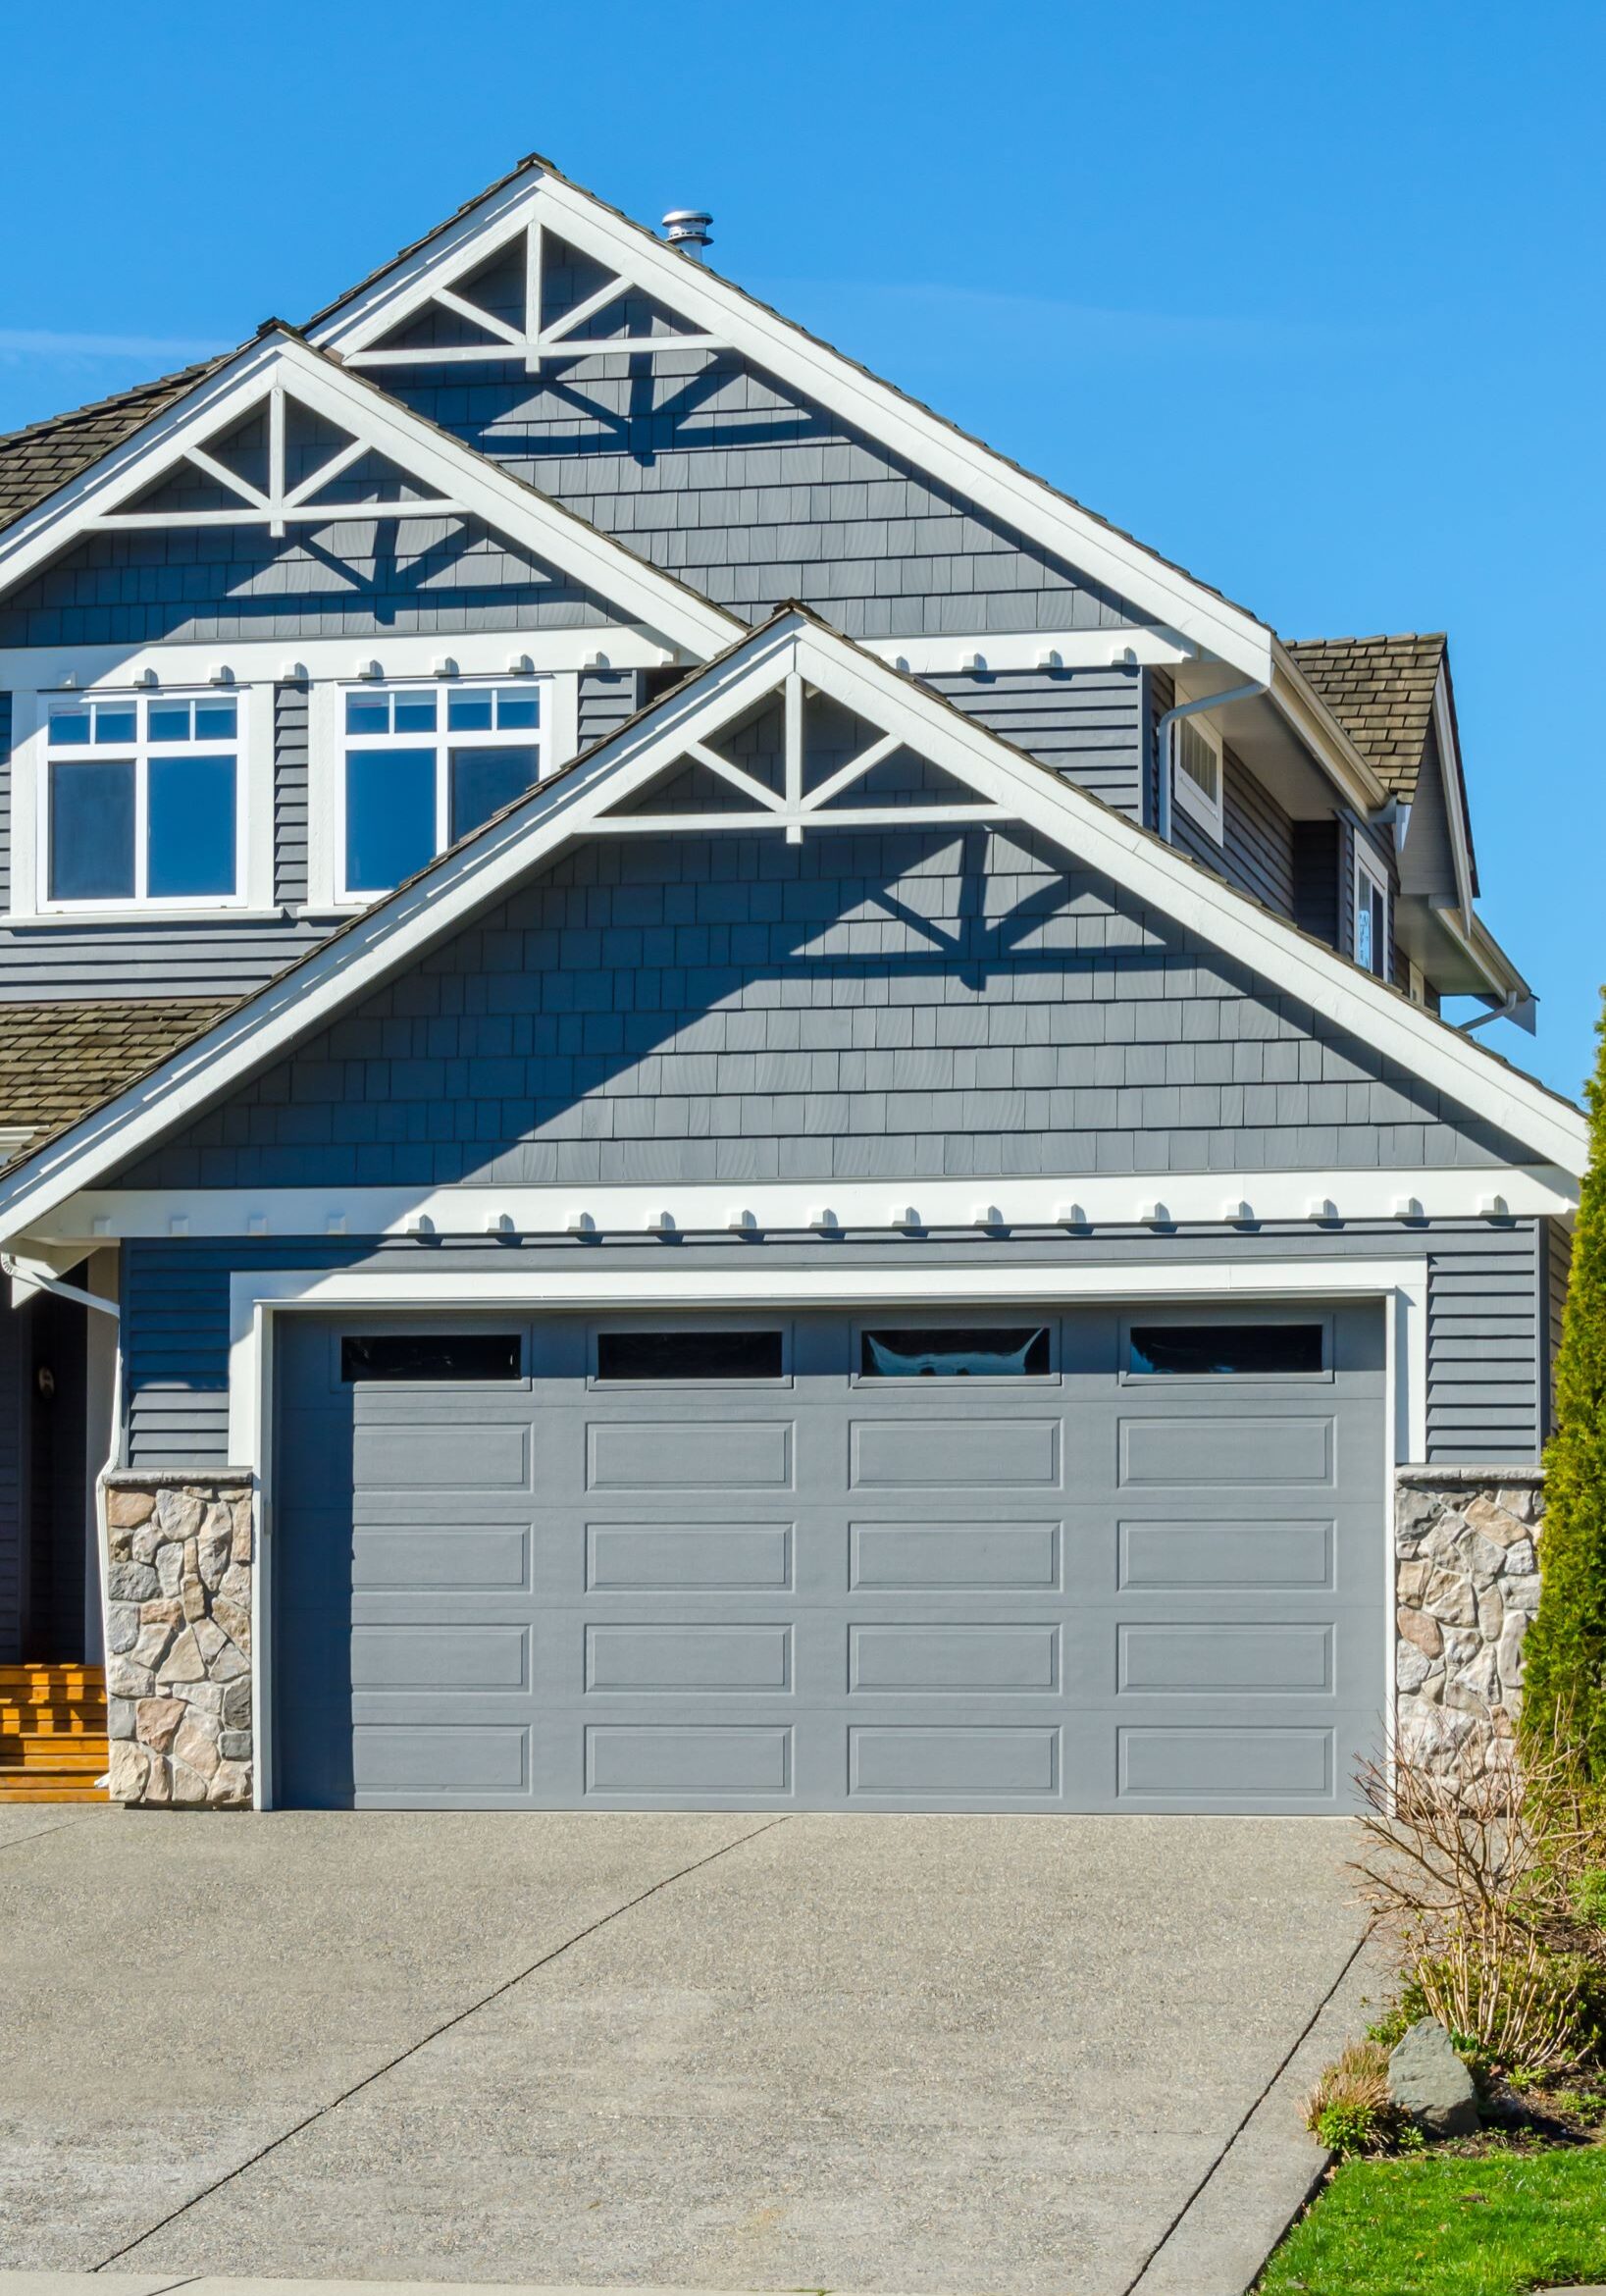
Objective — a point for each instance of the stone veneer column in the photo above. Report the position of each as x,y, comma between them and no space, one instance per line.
179,1566
1467,1584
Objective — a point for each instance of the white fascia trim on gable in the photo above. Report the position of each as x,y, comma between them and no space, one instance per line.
463,881
1027,504
1079,1203
676,614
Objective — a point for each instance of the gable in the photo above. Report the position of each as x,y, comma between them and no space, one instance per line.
887,1004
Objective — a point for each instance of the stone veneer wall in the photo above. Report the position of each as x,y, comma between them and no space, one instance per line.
180,1565
1467,1586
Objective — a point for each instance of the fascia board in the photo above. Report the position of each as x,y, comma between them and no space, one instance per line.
1022,502
374,309
1303,708
447,895
669,608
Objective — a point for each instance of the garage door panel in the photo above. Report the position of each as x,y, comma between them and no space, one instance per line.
985,1453
954,1762
701,1455
1080,1591
1224,1655
927,1557
1192,1451
654,1556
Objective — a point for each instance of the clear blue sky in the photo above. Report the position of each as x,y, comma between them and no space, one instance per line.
1307,296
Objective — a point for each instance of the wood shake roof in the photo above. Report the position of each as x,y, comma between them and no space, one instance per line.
59,1061
1380,689
35,461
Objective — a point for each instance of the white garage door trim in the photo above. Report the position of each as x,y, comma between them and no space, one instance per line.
258,1298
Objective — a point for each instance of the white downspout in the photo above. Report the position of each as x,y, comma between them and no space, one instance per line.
39,1280
1163,743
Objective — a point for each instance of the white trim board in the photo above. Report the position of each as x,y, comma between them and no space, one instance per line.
698,296
570,805
256,1301
475,486
1075,1201
180,662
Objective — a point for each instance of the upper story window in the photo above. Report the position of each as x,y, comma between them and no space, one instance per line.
142,799
1370,914
423,765
1196,771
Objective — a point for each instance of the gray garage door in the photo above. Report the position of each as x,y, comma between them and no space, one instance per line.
1025,1559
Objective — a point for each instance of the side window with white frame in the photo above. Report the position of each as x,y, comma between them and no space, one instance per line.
1371,913
1197,773
142,800
423,765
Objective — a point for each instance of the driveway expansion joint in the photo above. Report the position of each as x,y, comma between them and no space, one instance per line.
436,2032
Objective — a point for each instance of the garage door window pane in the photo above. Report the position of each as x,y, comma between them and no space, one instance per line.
1206,1350
430,1355
980,1352
689,1355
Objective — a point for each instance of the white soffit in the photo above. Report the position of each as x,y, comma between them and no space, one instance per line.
724,315
589,797
470,484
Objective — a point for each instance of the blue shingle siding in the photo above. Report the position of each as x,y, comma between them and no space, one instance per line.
5,800
291,712
1086,723
358,578
754,495
868,1004
176,1307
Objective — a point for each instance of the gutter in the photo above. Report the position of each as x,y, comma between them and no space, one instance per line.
1163,738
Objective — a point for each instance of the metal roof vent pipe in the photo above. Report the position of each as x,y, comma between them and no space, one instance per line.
686,228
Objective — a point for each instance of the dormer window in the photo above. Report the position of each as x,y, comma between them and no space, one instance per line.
423,766
1196,773
142,800
1370,914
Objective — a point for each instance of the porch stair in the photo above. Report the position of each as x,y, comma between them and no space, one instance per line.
52,1733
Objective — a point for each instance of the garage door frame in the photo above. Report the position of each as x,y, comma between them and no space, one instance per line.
259,1298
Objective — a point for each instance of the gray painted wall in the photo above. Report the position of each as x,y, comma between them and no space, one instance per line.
290,765
1483,1294
1087,723
606,697
5,800
46,963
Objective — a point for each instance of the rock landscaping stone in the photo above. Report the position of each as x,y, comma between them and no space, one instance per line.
1466,1586
181,1566
1428,2080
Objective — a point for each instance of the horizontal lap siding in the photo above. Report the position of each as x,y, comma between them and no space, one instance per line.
176,1307
290,742
1485,1343
1087,724
606,698
1259,846
880,1003
5,800
1558,1270
46,963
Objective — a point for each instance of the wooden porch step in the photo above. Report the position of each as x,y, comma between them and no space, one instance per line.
47,1791
53,1742
51,1722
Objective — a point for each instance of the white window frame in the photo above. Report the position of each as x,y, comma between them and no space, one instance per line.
35,755
1370,873
339,742
1185,791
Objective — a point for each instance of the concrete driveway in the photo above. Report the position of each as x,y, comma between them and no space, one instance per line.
915,2054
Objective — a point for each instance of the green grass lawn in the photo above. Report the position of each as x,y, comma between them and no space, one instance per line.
1494,2225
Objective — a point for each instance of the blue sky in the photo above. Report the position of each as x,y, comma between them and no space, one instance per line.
1308,298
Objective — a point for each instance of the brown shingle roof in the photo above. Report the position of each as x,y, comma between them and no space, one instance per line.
1380,689
35,461
59,1061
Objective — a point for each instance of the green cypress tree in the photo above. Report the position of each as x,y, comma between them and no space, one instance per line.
1563,1687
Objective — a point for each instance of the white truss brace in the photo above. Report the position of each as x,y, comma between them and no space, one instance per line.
792,808
280,369
529,341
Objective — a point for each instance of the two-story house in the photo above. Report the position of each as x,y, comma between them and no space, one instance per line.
712,1104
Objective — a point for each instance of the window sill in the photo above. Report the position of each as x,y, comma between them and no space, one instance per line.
143,912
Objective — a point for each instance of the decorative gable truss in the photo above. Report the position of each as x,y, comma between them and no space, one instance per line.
799,730
282,439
